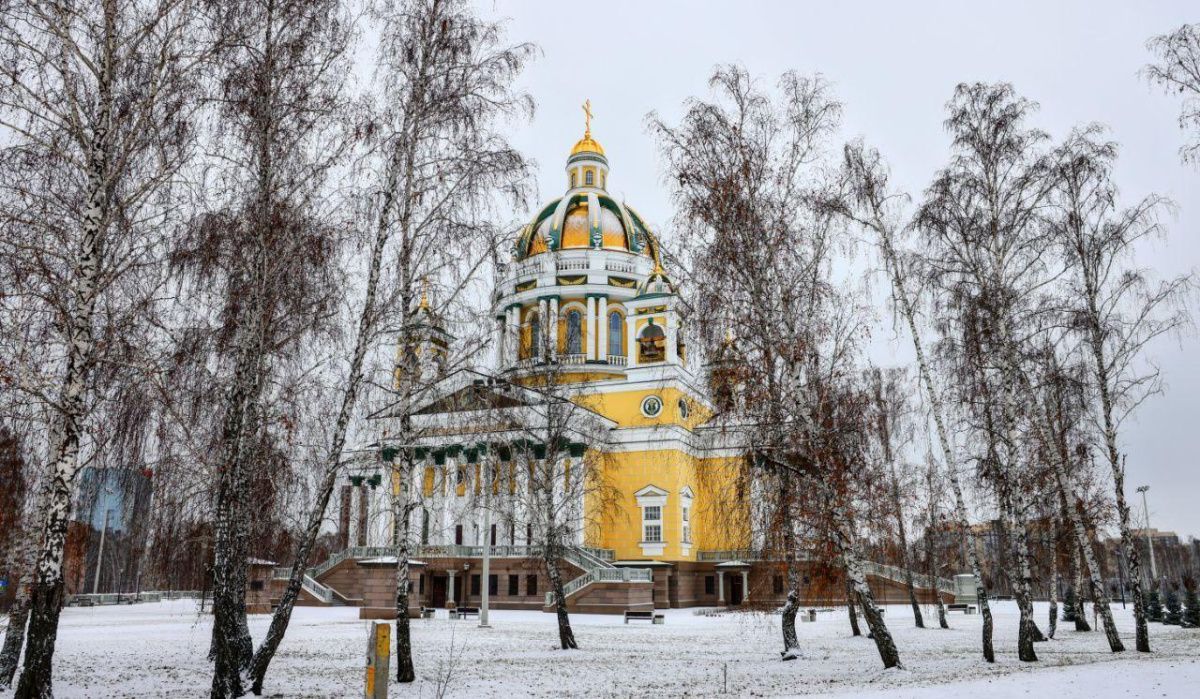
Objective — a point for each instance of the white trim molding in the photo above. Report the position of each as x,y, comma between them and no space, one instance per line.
652,496
686,496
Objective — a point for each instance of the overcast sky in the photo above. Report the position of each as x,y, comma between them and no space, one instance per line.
894,65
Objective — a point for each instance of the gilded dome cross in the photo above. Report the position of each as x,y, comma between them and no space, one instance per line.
587,118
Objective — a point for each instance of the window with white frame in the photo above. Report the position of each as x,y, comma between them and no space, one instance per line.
686,496
652,501
652,524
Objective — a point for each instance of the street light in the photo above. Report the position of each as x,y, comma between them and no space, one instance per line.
1149,541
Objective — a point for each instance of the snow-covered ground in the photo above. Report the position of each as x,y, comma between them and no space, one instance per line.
159,650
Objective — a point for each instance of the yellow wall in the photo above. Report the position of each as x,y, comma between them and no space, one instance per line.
714,523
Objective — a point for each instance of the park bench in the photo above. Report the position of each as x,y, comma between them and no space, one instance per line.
428,612
638,615
464,612
1002,598
808,615
960,607
85,602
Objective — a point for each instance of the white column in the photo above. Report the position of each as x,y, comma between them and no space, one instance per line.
602,335
671,332
630,342
544,327
720,587
500,338
553,327
591,328
512,334
745,586
450,600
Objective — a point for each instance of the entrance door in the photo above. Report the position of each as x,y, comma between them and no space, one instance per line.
673,590
437,600
735,589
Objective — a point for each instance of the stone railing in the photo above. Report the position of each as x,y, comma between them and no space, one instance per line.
350,552
603,554
621,575
895,574
567,360
618,266
572,264
316,589
727,555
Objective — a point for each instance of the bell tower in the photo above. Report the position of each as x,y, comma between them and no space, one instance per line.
424,344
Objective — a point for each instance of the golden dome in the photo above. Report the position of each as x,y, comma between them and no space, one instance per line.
587,144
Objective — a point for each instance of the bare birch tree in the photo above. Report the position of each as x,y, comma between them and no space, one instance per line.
745,168
438,162
887,398
872,204
1177,71
1115,309
983,223
97,99
266,244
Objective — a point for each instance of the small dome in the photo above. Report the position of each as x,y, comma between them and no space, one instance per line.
657,284
587,144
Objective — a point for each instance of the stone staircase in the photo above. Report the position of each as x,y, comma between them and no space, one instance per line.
596,569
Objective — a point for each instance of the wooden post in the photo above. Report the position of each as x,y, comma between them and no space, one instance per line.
379,651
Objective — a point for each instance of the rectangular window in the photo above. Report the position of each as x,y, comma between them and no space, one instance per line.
427,486
529,535
779,584
652,524
493,584
531,585
458,535
475,585
514,582
421,584
493,539
710,584
256,585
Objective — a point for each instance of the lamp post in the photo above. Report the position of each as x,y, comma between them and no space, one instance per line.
100,554
487,550
1149,539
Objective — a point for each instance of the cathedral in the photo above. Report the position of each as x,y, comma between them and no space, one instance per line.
588,327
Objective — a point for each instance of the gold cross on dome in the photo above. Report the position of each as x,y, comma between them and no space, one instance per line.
587,116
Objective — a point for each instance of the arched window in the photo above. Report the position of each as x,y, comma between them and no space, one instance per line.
535,335
574,332
589,178
572,179
615,345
